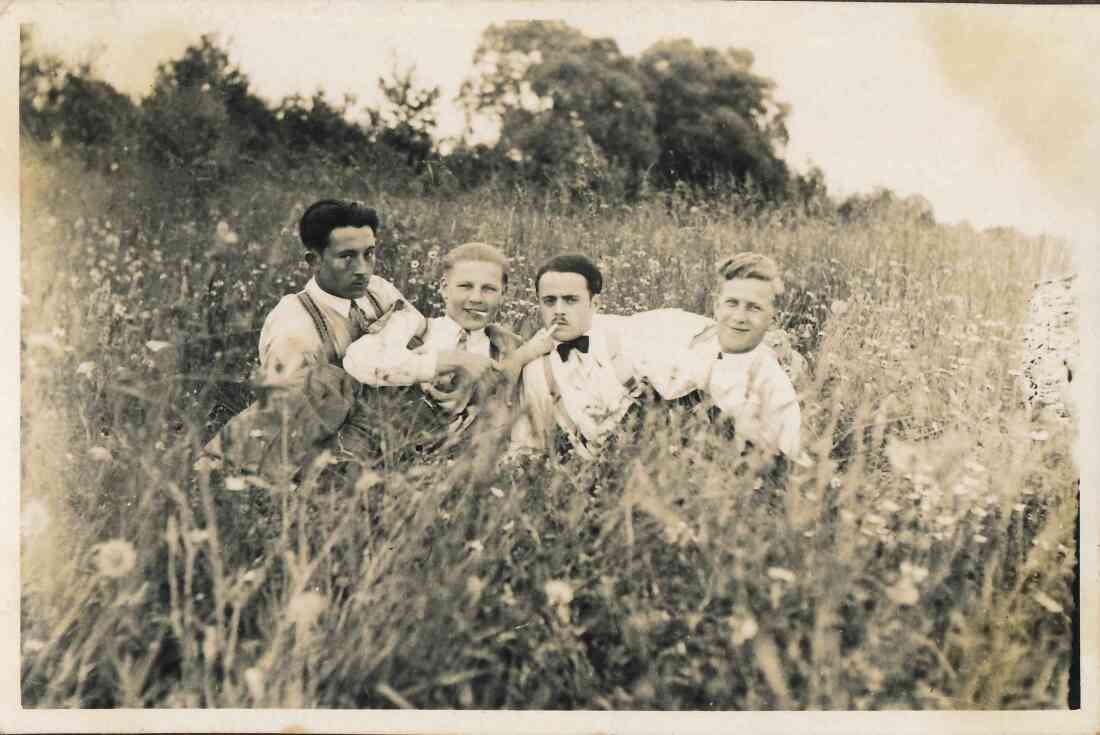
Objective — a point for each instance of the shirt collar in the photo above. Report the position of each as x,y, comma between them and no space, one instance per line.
458,328
338,304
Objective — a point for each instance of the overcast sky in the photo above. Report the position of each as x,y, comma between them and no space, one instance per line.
991,112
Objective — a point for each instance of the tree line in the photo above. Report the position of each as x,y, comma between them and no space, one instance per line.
573,113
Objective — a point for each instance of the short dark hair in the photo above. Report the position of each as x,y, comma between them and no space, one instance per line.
573,263
321,218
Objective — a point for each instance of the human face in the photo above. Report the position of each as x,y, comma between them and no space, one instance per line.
472,291
345,266
744,311
565,304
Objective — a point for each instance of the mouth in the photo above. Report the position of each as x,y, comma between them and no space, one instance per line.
481,314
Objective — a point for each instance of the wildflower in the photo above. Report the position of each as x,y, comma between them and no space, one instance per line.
85,368
1040,436
838,307
889,506
558,592
235,483
742,629
497,492
781,574
414,264
913,572
100,454
475,546
156,345
115,558
34,519
254,681
305,608
1047,603
1019,507
905,592
980,538
225,234
475,586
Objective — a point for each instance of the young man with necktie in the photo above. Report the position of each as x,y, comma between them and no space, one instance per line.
405,352
303,364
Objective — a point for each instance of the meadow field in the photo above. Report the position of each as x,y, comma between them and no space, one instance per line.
922,559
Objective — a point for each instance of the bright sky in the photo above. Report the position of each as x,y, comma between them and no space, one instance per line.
990,112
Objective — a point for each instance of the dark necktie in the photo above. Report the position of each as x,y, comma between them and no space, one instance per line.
359,321
577,343
463,340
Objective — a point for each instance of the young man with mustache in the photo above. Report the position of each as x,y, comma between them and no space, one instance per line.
304,367
600,364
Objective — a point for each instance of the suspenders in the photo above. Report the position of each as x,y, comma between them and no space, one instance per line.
329,342
623,373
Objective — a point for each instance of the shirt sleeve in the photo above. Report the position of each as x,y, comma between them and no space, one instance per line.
659,345
384,358
289,344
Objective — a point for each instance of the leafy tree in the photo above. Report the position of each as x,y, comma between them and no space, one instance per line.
313,128
202,124
560,97
714,117
73,107
408,117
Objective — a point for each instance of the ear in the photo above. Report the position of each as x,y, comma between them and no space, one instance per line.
596,303
313,258
442,282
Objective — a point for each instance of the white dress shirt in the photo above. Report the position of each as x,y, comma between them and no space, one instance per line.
289,340
384,358
754,389
594,395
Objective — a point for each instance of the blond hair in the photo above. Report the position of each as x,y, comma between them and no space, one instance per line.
478,251
750,265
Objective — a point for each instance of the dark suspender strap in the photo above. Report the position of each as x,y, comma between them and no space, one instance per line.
374,302
563,419
319,322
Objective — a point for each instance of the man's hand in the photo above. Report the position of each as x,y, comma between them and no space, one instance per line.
472,367
540,344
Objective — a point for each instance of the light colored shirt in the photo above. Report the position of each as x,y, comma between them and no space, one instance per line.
755,391
594,386
384,359
289,340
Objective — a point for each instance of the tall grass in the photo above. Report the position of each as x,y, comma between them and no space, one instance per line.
921,560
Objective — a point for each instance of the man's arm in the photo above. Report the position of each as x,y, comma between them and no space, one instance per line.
658,344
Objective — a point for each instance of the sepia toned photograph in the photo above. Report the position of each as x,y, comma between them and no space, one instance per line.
553,359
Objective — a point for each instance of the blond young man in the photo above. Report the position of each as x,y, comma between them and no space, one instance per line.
404,352
747,382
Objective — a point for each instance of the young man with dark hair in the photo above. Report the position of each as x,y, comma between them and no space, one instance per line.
303,346
599,364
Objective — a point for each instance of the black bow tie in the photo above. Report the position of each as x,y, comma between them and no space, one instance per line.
577,343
